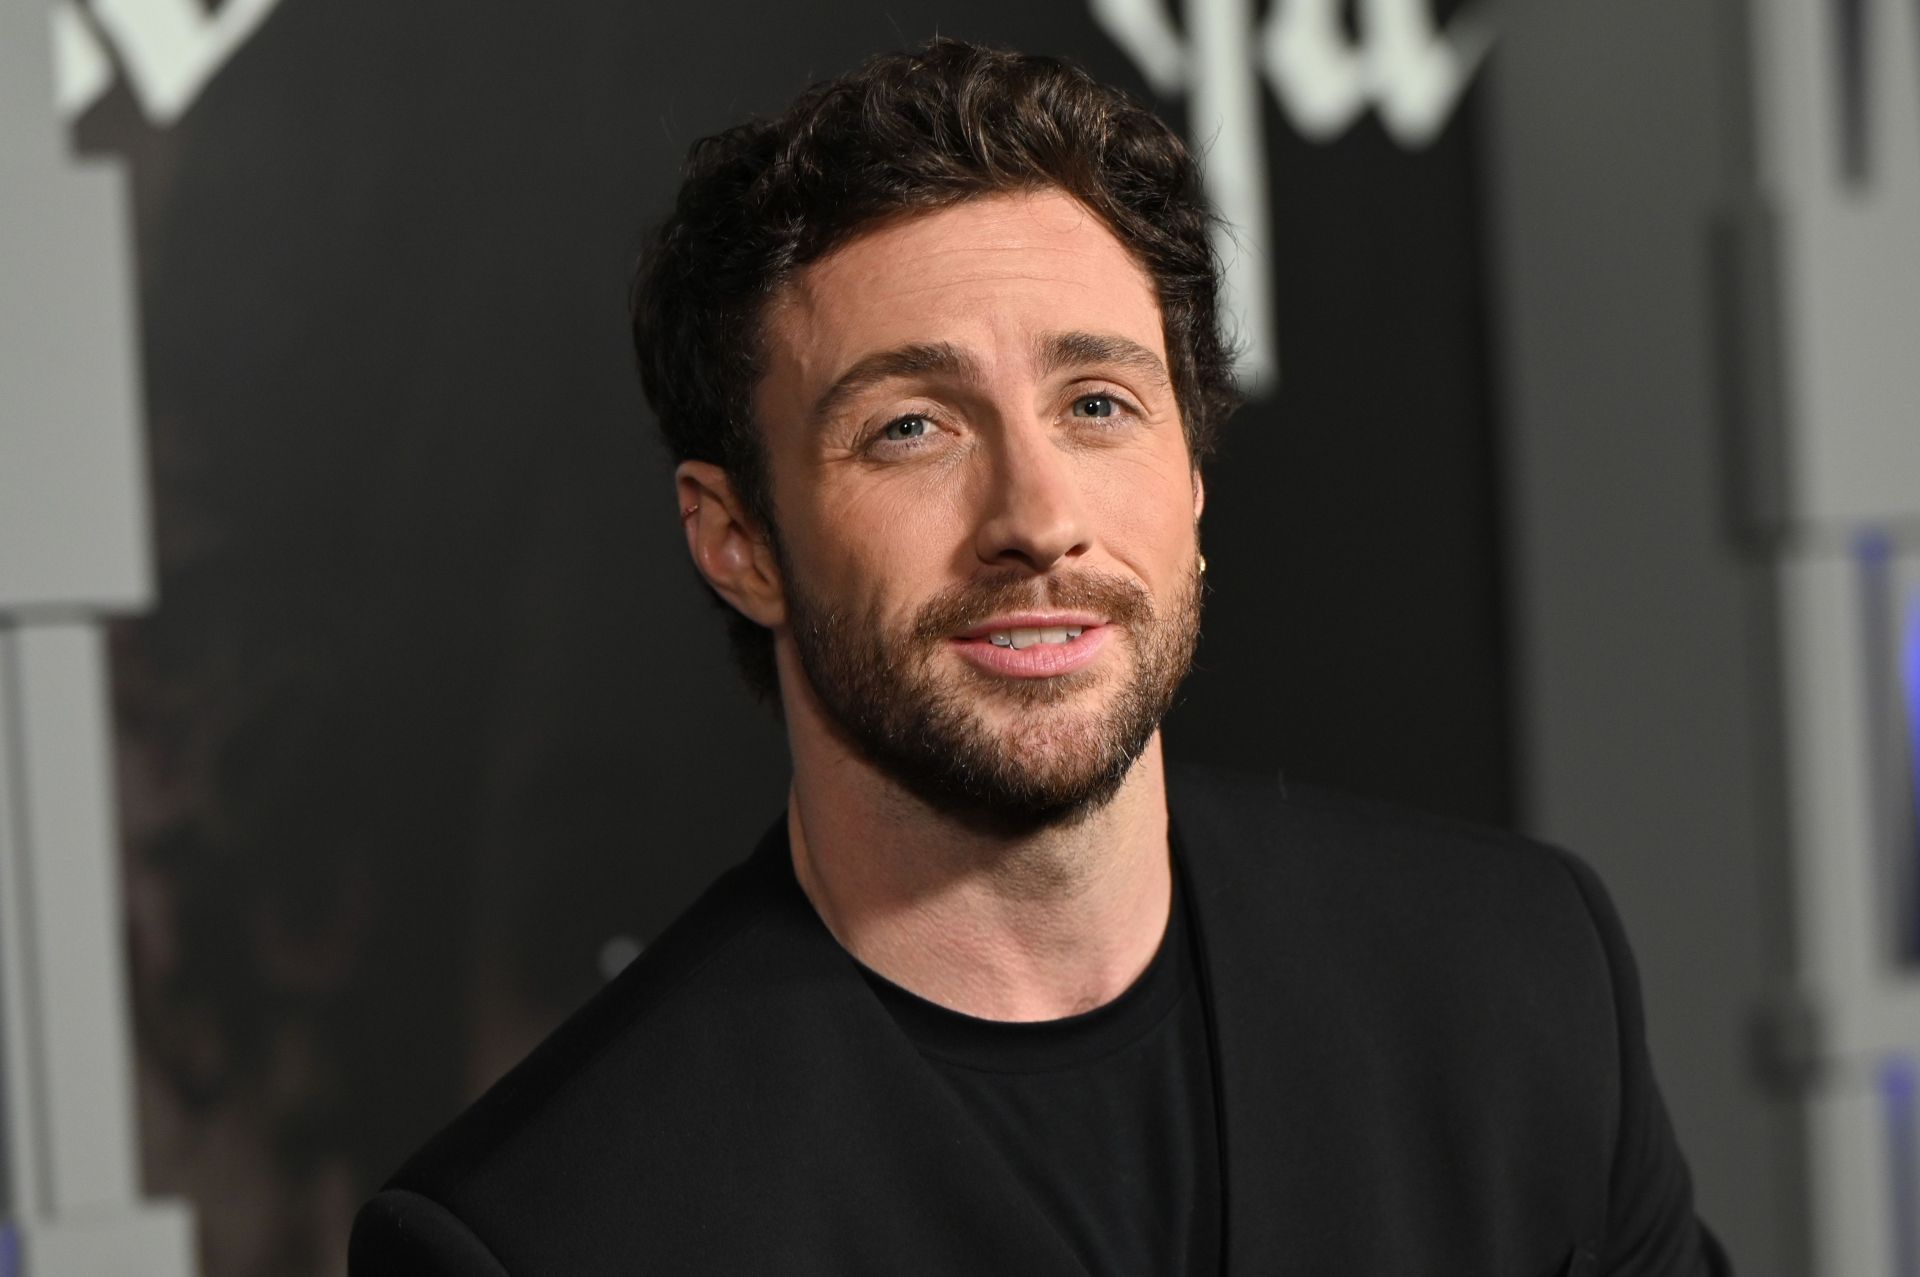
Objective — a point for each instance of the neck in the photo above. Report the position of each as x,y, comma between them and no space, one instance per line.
1023,926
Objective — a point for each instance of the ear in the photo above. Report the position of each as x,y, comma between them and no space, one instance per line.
727,544
1199,494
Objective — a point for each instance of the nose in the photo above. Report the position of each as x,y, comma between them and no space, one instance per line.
1033,516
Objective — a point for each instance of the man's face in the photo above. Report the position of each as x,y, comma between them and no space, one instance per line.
985,506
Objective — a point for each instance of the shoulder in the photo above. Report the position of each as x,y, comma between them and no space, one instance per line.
708,944
1397,906
1417,975
641,1078
1265,826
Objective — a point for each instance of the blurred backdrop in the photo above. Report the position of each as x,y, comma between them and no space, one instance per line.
1580,456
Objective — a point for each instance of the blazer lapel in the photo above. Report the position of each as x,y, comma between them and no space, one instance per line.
1301,1185
1246,1026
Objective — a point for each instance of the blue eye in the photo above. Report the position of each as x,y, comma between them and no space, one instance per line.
1093,406
905,429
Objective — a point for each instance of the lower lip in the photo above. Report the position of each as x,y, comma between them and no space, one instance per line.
1042,660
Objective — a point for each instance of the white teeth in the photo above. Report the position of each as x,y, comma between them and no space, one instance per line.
1025,638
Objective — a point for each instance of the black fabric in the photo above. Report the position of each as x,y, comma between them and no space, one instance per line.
1429,1059
1106,1118
419,1236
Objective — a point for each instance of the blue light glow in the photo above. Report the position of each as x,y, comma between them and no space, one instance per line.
1903,1165
1890,666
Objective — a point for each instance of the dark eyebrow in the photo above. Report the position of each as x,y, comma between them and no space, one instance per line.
942,358
1056,351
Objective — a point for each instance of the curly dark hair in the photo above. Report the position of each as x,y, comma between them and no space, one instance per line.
915,130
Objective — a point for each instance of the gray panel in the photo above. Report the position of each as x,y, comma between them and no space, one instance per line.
1849,235
73,1207
75,976
73,504
154,1240
22,1186
1645,715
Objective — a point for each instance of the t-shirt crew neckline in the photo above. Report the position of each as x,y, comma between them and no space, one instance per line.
1041,1046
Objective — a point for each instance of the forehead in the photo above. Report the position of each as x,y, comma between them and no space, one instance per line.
988,275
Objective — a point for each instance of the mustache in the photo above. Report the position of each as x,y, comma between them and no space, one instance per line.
964,606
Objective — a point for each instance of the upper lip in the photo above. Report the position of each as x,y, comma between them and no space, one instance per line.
1034,621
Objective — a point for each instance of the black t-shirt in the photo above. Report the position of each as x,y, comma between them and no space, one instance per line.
1107,1118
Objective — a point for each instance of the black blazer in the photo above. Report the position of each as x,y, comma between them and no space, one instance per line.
1428,1051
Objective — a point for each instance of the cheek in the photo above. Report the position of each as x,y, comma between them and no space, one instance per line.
875,547
1145,507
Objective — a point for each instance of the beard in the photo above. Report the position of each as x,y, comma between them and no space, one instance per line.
895,697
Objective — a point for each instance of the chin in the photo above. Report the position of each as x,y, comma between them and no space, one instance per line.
1050,770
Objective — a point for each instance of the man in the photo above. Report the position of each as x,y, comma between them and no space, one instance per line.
938,353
